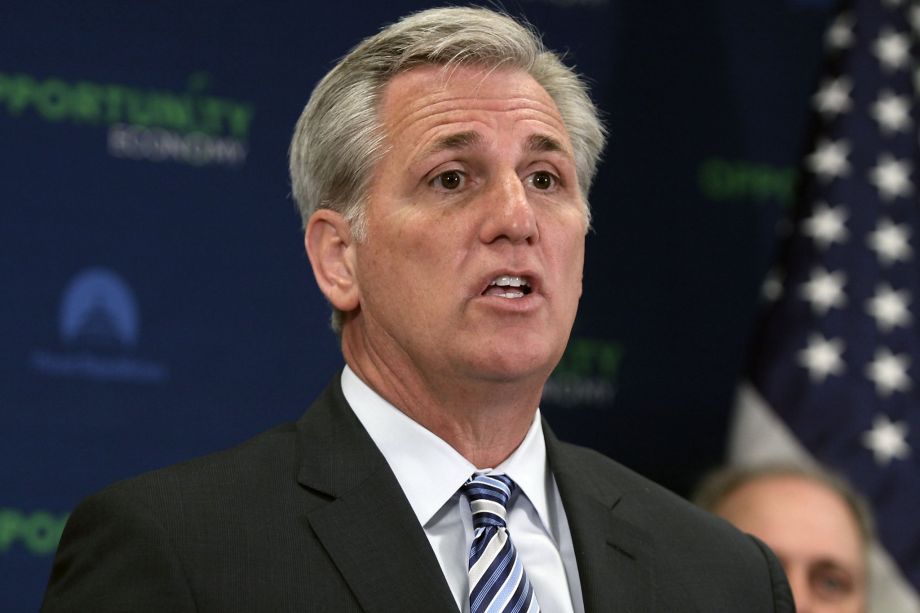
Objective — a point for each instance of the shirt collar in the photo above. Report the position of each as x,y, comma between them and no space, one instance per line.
415,454
527,468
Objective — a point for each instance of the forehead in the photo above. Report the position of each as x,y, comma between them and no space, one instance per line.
795,515
434,98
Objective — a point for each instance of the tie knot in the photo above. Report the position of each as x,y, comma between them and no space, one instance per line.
489,496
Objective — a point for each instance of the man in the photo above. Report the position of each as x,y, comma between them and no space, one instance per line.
442,169
817,525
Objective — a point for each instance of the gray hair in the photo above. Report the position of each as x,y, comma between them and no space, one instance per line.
338,138
719,485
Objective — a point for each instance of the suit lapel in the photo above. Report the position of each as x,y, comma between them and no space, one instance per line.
368,527
615,557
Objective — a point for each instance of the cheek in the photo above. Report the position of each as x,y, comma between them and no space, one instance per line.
570,257
568,265
416,270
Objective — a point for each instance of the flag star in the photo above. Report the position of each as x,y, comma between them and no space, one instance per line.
829,159
827,225
887,440
892,50
889,372
824,290
833,97
822,357
889,307
890,176
890,242
840,33
891,112
772,288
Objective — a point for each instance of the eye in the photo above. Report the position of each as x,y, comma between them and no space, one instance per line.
449,180
831,582
543,180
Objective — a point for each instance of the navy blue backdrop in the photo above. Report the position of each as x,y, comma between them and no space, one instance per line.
157,303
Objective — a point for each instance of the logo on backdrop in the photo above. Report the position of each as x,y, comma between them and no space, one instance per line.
722,180
586,376
575,3
99,326
154,125
37,532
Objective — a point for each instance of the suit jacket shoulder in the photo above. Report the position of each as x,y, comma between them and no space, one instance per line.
304,517
641,544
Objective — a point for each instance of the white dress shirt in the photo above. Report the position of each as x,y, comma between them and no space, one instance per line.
431,472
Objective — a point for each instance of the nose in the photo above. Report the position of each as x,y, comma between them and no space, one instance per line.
507,212
801,590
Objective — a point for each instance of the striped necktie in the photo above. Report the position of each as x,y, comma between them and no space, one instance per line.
497,580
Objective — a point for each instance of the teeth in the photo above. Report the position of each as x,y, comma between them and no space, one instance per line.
509,281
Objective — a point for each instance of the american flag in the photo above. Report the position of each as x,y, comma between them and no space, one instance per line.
838,355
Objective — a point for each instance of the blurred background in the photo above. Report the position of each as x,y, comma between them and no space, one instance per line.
157,302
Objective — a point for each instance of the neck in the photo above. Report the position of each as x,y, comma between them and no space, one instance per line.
484,420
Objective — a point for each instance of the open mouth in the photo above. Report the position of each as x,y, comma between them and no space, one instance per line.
508,286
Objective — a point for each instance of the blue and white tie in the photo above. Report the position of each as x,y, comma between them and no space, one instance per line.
497,580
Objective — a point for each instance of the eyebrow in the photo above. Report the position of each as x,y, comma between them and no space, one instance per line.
461,140
471,138
540,142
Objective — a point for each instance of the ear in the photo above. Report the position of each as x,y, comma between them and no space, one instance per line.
331,251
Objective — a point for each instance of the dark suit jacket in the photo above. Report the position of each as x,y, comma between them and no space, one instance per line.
309,517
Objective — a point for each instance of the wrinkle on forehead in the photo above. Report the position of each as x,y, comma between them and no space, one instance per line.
443,100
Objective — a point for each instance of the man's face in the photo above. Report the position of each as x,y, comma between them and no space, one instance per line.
814,535
472,262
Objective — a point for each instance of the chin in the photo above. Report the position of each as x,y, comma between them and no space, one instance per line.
517,366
